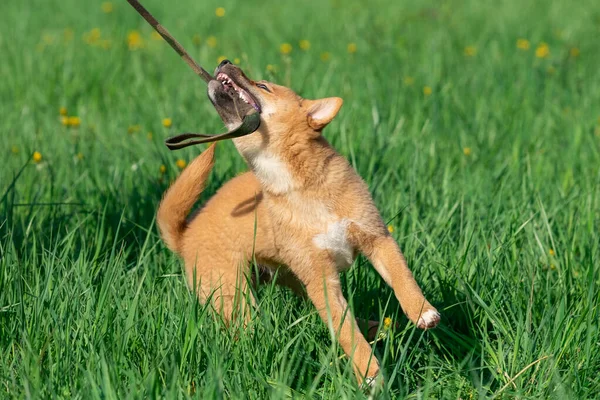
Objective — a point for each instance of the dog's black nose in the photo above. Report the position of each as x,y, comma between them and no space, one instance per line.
224,62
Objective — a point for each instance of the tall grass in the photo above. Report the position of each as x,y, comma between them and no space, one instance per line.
484,157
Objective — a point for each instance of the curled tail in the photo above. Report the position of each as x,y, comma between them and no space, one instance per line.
181,196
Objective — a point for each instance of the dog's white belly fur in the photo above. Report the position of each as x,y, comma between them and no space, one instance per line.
335,240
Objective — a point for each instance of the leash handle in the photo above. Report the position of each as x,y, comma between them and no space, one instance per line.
249,124
162,31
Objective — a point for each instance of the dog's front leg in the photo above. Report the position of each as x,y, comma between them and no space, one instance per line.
385,255
324,290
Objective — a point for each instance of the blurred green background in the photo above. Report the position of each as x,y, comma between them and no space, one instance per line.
476,125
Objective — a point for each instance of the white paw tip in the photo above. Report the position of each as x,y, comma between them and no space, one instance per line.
429,319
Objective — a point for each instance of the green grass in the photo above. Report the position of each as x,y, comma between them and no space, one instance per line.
504,240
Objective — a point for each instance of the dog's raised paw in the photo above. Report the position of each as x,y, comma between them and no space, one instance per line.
429,319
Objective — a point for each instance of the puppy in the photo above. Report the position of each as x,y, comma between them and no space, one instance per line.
301,210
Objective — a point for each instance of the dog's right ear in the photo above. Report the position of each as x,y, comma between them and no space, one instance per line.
322,112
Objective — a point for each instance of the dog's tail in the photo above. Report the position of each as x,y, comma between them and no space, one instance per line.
181,196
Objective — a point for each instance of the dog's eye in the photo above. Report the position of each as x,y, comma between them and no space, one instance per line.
263,87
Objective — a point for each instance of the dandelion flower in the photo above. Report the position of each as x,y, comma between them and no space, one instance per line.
351,48
325,56
133,129
220,12
181,164
470,51
221,58
92,37
390,229
408,80
467,151
427,90
62,111
387,322
167,122
107,7
211,41
285,48
574,52
551,252
135,40
37,157
14,150
162,169
236,61
74,121
304,44
64,120
542,51
523,44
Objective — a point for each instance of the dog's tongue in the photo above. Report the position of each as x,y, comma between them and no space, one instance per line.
249,124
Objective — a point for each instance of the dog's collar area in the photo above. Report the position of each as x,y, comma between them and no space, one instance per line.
249,124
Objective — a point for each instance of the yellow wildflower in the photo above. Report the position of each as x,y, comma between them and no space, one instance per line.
62,111
304,44
107,7
351,48
162,169
64,120
133,129
92,37
427,90
14,150
470,51
574,52
387,322
196,39
79,156
220,12
74,121
211,41
325,56
542,51
390,228
221,58
551,252
37,157
552,267
285,48
271,68
523,44
236,60
467,151
167,122
408,80
181,164
135,40
156,36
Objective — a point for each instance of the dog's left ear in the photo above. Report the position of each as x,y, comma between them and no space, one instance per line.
323,111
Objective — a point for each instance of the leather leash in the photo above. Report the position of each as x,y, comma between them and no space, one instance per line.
250,122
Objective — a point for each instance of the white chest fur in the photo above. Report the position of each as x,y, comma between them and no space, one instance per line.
335,240
271,172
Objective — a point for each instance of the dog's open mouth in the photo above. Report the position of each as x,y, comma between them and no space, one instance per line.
231,94
234,89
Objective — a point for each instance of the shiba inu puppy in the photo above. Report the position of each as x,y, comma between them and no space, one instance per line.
301,210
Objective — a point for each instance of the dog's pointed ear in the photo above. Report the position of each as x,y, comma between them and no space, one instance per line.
323,111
